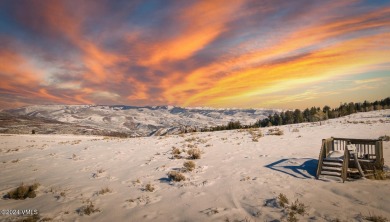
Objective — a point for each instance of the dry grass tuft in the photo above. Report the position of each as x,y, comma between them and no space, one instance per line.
256,135
275,131
291,217
98,172
194,153
176,176
22,192
149,187
294,209
298,207
384,138
380,175
32,218
104,191
283,201
191,139
375,218
88,209
176,153
189,165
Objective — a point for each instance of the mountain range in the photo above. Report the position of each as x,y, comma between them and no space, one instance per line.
121,120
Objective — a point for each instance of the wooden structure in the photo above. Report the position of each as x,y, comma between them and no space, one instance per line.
345,157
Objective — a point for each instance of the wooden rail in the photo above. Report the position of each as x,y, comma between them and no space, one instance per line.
325,149
344,171
321,159
366,149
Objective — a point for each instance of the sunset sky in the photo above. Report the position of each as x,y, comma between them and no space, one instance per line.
244,54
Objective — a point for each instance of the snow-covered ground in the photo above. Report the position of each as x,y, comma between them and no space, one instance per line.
233,179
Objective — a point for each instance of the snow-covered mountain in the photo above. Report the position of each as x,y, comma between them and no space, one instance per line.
140,121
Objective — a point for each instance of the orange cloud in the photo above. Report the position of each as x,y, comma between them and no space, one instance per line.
138,90
100,64
341,59
16,72
231,79
199,25
21,78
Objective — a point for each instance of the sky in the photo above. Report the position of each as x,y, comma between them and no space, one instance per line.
233,54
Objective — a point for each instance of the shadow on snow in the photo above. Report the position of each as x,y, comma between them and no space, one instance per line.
303,168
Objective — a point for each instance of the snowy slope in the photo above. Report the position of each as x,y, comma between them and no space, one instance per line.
236,178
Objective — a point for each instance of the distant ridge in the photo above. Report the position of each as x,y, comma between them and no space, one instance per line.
132,120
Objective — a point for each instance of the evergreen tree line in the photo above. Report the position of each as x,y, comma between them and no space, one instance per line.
230,126
313,114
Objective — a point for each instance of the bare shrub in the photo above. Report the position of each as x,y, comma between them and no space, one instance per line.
246,219
176,153
191,146
384,138
290,210
202,140
246,178
279,133
298,207
256,135
375,218
176,176
104,191
283,201
32,218
380,175
22,192
149,187
295,130
191,139
98,172
88,209
291,217
75,142
189,165
194,153
276,131
62,194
